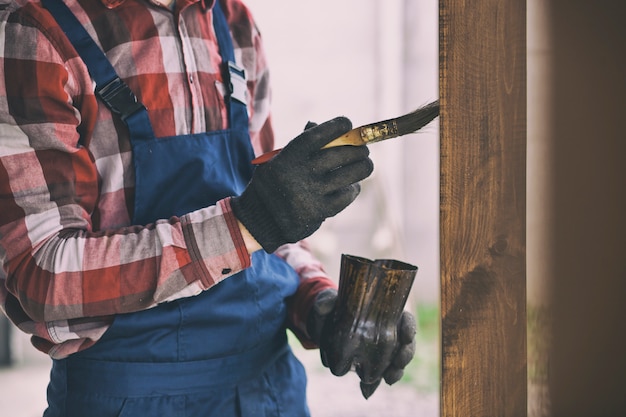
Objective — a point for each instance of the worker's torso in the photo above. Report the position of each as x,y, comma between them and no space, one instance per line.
211,349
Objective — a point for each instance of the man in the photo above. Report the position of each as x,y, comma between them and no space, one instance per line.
139,246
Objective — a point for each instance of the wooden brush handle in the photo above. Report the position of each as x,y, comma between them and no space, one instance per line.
353,138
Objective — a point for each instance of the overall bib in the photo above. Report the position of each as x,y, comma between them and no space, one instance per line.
221,353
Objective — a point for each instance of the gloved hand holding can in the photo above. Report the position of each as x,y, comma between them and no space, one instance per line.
363,326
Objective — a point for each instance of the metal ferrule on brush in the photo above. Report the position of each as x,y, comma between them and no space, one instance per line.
379,131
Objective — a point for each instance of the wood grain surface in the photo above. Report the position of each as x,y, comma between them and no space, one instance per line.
483,207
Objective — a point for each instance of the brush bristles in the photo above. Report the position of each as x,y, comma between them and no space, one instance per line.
416,120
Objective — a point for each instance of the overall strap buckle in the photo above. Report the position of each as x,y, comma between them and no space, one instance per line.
119,98
237,86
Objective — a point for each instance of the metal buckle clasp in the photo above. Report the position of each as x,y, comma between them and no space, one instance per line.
119,98
237,85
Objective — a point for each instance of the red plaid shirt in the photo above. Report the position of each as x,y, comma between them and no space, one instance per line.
70,257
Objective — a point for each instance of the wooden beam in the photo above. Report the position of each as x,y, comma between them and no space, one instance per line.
483,207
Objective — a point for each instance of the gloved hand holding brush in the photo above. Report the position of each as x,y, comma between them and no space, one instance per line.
290,196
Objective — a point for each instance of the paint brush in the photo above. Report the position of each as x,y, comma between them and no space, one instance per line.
377,132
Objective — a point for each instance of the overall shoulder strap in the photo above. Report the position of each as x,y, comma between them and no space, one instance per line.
234,76
109,87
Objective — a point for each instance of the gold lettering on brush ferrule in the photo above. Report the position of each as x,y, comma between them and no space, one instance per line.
379,131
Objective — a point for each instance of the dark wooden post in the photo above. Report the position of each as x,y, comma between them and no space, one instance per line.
483,208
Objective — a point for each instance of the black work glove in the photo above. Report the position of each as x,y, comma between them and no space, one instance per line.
290,196
371,361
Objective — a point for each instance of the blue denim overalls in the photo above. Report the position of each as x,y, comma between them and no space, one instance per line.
222,353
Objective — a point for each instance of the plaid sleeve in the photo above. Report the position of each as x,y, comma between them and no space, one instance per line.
55,261
313,280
